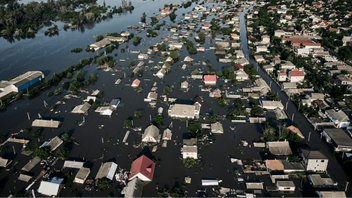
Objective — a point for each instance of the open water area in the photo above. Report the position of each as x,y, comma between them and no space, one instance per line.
52,55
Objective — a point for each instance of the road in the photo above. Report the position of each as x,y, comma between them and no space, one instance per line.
335,169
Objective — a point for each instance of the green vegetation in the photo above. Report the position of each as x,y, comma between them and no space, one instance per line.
138,114
104,184
272,96
76,50
144,16
63,153
140,73
3,149
127,123
42,153
257,111
163,192
159,120
136,40
213,118
37,134
30,146
194,72
99,37
190,163
194,127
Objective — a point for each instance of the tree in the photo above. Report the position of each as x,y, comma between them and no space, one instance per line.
222,101
213,118
193,127
98,37
163,192
192,50
104,184
80,76
174,54
158,119
37,134
172,16
272,96
143,17
138,114
238,102
92,78
176,192
139,73
127,123
218,73
269,132
190,162
194,72
345,53
42,153
253,101
65,137
63,153
256,111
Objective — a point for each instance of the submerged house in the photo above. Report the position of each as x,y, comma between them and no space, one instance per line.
133,189
142,168
82,175
51,187
81,109
106,170
46,123
151,135
216,128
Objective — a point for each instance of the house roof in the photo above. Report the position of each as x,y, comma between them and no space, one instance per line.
46,123
296,73
115,102
282,74
31,164
339,136
106,170
319,181
311,44
197,99
136,82
82,173
238,65
167,134
295,130
206,25
3,162
275,165
24,177
54,143
81,108
190,142
337,115
209,78
266,103
279,148
216,128
144,166
134,188
285,183
292,166
152,95
276,58
182,110
332,194
313,154
73,164
26,77
50,188
151,131
254,185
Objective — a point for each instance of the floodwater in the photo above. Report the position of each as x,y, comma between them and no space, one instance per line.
53,55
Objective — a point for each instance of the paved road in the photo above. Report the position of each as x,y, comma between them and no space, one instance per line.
335,169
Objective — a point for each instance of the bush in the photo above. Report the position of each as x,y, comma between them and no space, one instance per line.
104,183
76,50
190,163
98,37
257,111
50,93
158,119
138,114
127,123
36,134
63,153
42,153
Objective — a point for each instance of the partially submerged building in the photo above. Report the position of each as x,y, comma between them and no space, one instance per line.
46,123
217,128
4,162
51,187
31,164
81,109
339,139
106,170
142,168
82,175
133,189
73,164
190,149
314,160
151,135
279,148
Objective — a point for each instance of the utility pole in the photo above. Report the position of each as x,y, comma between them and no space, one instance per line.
346,185
309,136
29,118
293,115
286,105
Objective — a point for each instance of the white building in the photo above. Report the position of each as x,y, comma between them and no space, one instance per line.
161,73
267,104
184,111
281,76
296,76
151,135
339,118
285,186
314,160
190,149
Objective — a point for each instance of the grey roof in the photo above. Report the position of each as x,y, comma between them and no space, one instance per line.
106,170
317,96
26,77
73,164
82,174
31,164
190,142
54,143
152,95
190,149
46,123
4,162
167,134
313,154
339,136
254,185
216,128
151,132
24,177
285,183
182,110
81,108
114,102
269,103
297,166
319,181
134,188
279,148
337,115
332,194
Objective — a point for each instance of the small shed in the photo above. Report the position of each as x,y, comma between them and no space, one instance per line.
82,175
285,186
106,170
217,128
73,164
4,162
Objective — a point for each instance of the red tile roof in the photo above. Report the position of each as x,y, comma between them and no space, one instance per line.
165,11
282,74
276,165
271,7
296,73
144,166
311,44
239,65
136,83
206,25
275,58
334,29
217,95
210,78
